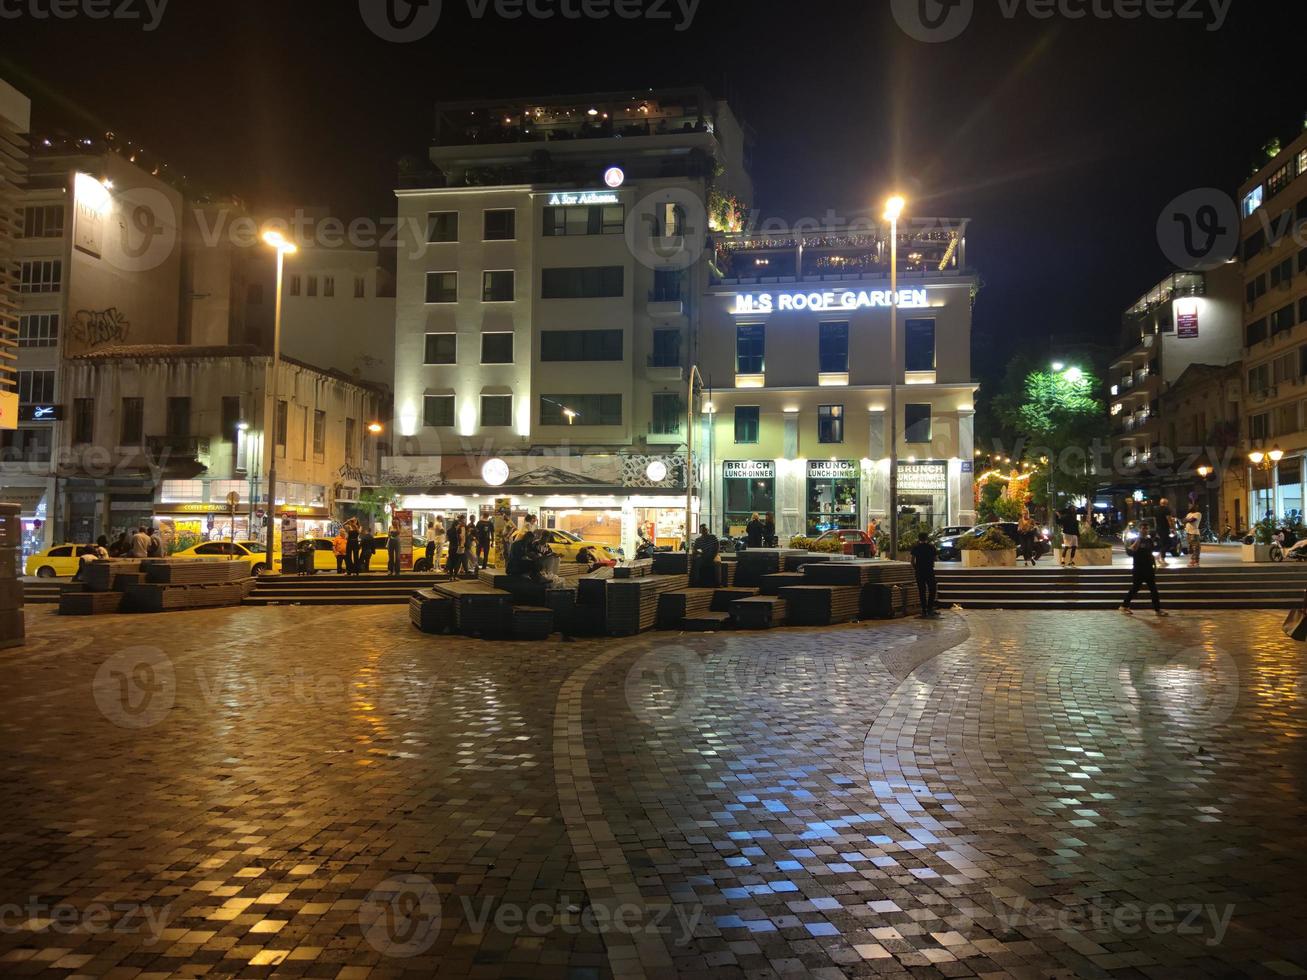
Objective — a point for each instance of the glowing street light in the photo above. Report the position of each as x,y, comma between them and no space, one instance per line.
278,241
893,209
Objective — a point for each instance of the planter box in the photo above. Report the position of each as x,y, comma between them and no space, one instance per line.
1255,552
976,558
1089,557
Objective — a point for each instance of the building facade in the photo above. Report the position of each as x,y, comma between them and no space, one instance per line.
545,327
794,352
171,432
15,118
1273,209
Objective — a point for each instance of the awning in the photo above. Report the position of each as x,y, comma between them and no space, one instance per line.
27,498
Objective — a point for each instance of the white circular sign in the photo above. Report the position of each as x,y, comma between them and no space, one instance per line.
656,471
495,472
614,177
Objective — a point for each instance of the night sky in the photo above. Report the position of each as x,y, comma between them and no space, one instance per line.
1061,139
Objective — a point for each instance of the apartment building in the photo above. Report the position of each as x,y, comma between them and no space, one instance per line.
15,117
795,355
545,326
1273,208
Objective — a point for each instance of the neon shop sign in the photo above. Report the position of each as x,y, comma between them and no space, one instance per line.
828,301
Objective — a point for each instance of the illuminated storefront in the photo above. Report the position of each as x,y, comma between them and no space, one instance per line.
832,495
923,491
748,488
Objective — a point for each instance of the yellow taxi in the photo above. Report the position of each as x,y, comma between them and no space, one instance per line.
566,545
254,559
60,561
324,554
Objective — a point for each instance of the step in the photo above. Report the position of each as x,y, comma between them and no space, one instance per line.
1141,604
707,622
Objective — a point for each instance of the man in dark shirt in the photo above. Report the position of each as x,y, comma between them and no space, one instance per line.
1162,543
1141,552
923,564
753,532
1070,528
705,559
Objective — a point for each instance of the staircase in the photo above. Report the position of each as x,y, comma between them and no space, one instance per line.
42,592
338,590
1261,586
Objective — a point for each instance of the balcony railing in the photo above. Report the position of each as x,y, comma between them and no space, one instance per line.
184,447
665,427
665,360
666,294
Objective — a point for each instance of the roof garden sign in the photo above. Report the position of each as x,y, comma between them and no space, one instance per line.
827,301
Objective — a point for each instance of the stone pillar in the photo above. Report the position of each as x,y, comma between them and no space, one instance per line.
964,501
875,484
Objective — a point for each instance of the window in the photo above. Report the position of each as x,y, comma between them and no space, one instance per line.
833,349
182,491
1255,332
667,412
1282,273
1255,289
178,421
1282,319
916,423
1279,180
281,427
581,345
41,276
38,330
438,411
442,226
1286,419
1252,200
35,387
294,286
360,287
313,285
329,286
500,225
231,417
83,420
496,410
27,446
43,221
1254,244
666,348
302,446
496,348
1259,426
580,409
750,342
442,287
497,287
1284,368
1259,379
598,219
919,339
351,440
586,282
319,434
746,424
132,431
830,423
442,348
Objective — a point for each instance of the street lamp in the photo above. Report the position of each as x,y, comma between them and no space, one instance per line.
1267,461
689,457
893,208
283,247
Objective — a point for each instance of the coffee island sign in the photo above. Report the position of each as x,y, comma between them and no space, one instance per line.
747,304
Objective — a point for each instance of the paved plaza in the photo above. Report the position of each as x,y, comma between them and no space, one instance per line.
328,793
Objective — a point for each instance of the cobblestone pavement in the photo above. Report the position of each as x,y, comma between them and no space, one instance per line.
328,793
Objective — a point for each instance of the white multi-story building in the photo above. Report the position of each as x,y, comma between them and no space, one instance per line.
545,325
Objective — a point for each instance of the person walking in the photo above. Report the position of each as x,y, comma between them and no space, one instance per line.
455,561
1026,531
753,532
1144,573
1070,528
1193,532
923,557
140,544
1165,531
392,549
485,532
338,545
352,546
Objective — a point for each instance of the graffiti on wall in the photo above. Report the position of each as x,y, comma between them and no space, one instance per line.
98,328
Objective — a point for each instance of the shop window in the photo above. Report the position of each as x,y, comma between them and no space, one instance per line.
497,348
441,348
132,432
750,348
500,225
442,287
833,348
919,353
830,424
442,226
581,345
497,286
667,412
749,488
746,424
496,410
438,411
586,282
573,410
832,495
916,423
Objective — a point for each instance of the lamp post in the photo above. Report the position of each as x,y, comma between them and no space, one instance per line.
1072,375
893,208
689,455
1266,461
283,248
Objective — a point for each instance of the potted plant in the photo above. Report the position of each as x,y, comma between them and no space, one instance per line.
1093,549
989,550
1263,537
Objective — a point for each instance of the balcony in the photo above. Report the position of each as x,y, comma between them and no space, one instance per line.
665,367
178,447
665,431
925,247
665,301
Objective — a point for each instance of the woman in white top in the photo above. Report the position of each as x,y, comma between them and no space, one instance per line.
1193,530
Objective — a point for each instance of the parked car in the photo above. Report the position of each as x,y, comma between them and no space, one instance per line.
950,545
565,544
851,539
255,561
59,561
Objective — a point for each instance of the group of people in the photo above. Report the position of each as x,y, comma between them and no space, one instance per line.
760,532
144,542
469,544
353,547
